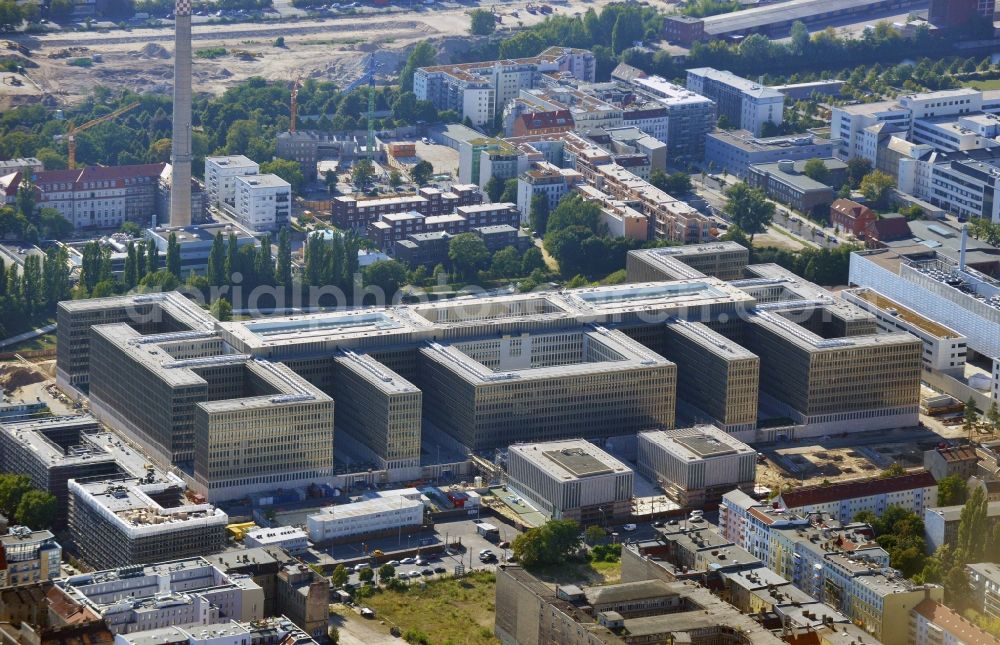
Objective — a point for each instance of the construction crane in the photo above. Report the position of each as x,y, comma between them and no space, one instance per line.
73,130
369,76
295,104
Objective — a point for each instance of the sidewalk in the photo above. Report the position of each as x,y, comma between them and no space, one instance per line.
28,335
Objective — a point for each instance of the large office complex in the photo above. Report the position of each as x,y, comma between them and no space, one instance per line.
735,151
571,479
695,466
594,363
746,104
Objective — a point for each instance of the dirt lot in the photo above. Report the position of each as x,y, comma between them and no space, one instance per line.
331,49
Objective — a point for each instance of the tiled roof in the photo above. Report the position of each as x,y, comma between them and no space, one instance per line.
100,173
545,120
957,453
850,208
953,623
813,495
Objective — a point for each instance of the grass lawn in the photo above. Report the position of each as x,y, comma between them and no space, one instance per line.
43,342
450,611
992,84
581,573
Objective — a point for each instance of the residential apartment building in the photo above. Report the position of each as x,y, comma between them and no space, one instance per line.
941,523
571,479
734,151
689,115
933,623
746,104
479,91
103,197
28,557
350,212
544,179
851,217
263,202
984,580
915,492
220,178
393,227
188,591
696,466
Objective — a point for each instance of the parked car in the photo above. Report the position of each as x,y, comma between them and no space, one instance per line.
407,560
629,527
440,570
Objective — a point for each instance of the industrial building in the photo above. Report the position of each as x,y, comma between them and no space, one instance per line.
696,466
571,479
127,521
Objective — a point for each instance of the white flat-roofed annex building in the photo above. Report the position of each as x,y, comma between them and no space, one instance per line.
370,517
290,538
263,202
696,465
220,178
571,479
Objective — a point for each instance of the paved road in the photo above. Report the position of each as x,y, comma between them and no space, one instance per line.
13,340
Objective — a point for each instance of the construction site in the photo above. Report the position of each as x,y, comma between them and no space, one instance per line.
66,66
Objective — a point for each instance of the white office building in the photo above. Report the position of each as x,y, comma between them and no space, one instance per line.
944,348
370,517
571,479
745,103
220,178
290,538
263,202
696,465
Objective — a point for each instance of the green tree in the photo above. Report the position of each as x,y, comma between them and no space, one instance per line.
422,172
366,575
152,258
857,168
573,210
12,488
51,159
468,253
993,417
539,216
817,170
506,263
174,256
548,544
895,469
386,572
387,275
952,491
677,183
288,170
877,187
748,208
532,261
509,194
483,23
494,188
131,277
594,534
222,309
970,417
61,9
972,529
362,173
36,509
216,271
395,178
340,576
423,55
283,266
279,42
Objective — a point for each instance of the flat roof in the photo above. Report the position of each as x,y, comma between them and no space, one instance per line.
792,10
570,459
697,443
905,314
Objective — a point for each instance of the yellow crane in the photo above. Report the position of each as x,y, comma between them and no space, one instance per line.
74,129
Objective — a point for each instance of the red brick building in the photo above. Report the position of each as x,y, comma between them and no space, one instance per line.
851,216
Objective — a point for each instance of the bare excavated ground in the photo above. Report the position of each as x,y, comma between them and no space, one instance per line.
332,49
